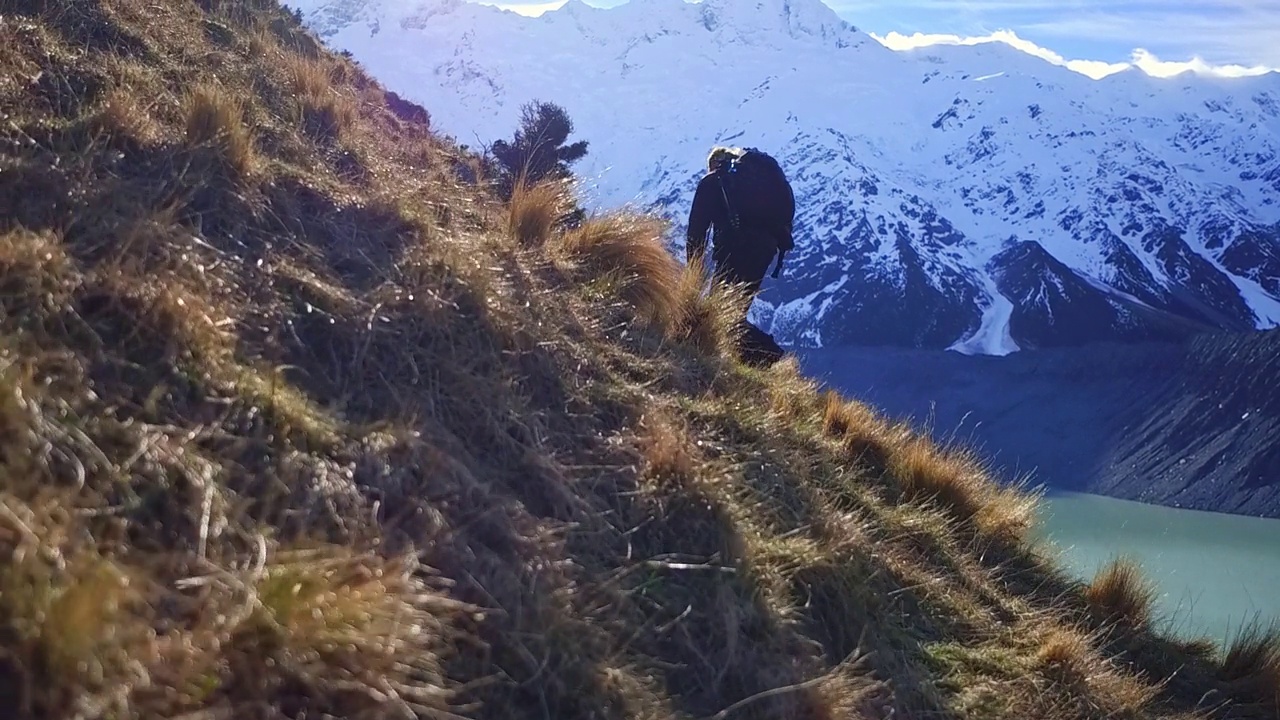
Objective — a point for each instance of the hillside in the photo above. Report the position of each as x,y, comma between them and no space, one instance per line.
1188,424
976,198
294,423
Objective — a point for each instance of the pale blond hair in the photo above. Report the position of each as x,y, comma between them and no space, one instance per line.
721,153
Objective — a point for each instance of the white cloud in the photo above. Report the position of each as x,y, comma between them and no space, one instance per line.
1141,58
531,9
1153,65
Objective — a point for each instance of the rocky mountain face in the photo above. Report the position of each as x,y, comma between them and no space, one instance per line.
1191,424
972,198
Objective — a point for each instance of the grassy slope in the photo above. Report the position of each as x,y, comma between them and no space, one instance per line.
294,423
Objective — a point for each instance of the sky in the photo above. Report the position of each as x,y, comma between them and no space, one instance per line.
1095,37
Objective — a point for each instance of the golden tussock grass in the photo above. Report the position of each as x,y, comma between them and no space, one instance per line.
297,420
792,395
666,454
955,480
215,120
709,314
323,111
334,619
1066,656
1121,593
1252,662
629,249
124,116
534,211
837,417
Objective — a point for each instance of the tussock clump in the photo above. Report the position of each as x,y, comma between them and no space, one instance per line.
357,630
215,120
1065,655
629,249
1120,593
324,113
1007,513
864,434
534,211
67,611
1252,663
869,444
665,452
926,472
36,276
792,396
710,313
1205,649
837,418
125,119
866,438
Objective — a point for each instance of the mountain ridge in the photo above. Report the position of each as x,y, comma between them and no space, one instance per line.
916,170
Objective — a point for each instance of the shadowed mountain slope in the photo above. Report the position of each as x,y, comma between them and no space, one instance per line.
1190,424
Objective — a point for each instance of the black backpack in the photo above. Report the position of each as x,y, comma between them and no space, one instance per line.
756,190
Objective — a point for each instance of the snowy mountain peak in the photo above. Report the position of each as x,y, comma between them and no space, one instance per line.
976,198
810,19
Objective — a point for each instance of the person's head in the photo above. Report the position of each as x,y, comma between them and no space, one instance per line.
720,155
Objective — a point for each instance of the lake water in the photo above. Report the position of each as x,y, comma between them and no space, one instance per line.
1214,572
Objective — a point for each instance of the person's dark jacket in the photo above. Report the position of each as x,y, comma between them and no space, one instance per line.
739,254
707,211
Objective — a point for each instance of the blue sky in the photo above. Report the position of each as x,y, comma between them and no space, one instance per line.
1219,32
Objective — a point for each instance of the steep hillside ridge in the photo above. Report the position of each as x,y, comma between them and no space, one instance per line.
294,423
974,198
1189,425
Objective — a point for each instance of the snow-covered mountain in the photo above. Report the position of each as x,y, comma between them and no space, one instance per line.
967,197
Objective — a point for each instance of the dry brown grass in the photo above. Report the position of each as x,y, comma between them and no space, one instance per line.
837,415
666,453
299,422
955,480
348,624
125,116
1066,656
1252,663
67,611
1121,593
792,395
35,273
628,249
534,211
163,306
710,313
215,120
324,112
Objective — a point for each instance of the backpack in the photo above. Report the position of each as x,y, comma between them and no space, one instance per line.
756,189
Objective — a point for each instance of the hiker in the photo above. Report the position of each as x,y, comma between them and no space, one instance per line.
747,202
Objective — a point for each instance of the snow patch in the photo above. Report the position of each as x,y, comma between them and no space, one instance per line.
1264,306
993,336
